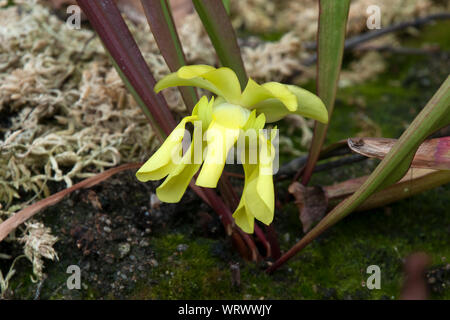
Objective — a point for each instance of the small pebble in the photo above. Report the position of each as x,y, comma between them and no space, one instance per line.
143,243
153,263
154,201
124,249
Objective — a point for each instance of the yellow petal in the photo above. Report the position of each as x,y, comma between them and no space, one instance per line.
176,183
282,93
227,82
161,162
259,123
255,93
200,104
230,115
219,101
189,72
203,109
219,141
174,80
309,105
273,109
222,82
250,121
259,196
258,200
243,219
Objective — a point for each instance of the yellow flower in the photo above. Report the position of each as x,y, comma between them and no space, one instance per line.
225,119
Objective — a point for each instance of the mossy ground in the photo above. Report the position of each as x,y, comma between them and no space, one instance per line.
332,267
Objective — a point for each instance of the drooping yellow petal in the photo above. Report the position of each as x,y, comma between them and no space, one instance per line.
222,81
255,93
219,141
282,93
309,105
176,183
227,82
259,197
174,80
161,162
258,200
242,217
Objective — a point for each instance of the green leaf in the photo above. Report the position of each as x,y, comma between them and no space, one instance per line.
159,17
226,4
331,35
393,167
218,26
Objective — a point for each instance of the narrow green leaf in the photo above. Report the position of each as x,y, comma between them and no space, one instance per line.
393,167
226,4
107,21
159,17
218,26
331,35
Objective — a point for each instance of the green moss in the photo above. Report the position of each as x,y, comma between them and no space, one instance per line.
191,274
333,267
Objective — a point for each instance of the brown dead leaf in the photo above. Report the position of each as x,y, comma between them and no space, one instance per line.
414,182
312,203
432,154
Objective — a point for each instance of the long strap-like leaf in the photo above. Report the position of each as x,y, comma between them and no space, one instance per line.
331,35
218,25
159,17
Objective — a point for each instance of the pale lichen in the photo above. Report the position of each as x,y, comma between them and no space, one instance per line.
38,243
